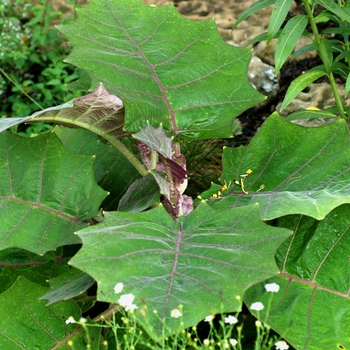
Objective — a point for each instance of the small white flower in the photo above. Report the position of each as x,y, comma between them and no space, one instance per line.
70,319
82,320
258,324
281,345
209,318
257,306
131,307
175,313
206,342
126,301
118,287
231,319
233,342
272,287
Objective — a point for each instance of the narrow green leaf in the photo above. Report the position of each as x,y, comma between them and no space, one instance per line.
326,16
46,187
314,283
278,15
299,84
125,45
204,262
310,115
340,68
303,50
328,49
333,7
288,38
344,54
255,7
295,184
337,30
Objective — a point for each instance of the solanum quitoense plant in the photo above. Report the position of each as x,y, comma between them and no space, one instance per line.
280,214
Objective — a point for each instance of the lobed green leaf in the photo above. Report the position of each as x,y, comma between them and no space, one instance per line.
27,323
289,176
201,264
46,193
314,283
194,84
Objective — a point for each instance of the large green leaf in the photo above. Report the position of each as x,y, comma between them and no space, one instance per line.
166,69
314,283
296,170
26,323
202,263
46,193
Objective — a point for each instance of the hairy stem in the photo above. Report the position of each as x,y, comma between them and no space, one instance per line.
127,154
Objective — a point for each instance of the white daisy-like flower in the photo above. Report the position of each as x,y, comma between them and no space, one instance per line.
233,342
209,318
118,287
126,300
70,319
272,287
231,319
176,313
257,306
281,345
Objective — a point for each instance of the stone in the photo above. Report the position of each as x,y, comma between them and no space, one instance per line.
262,77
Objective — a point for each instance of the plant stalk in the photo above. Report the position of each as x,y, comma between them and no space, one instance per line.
324,58
127,154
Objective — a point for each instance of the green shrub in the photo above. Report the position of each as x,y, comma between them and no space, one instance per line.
32,51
